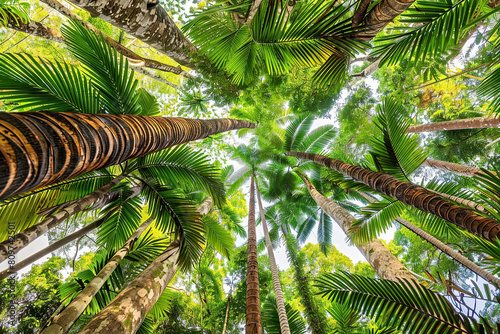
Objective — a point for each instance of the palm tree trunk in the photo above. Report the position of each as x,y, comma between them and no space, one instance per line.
412,195
459,124
253,317
385,264
278,292
452,167
47,250
315,319
145,20
126,312
442,247
63,321
227,314
14,244
42,148
462,201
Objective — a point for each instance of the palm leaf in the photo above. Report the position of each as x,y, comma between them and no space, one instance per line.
13,9
149,104
270,318
147,247
218,237
346,320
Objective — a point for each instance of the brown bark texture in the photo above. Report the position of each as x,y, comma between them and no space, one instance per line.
63,321
35,28
127,311
385,264
413,195
462,201
360,12
253,316
14,244
148,22
459,124
47,250
41,148
227,313
278,292
129,54
452,167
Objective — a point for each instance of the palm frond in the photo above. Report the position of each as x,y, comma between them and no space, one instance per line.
295,131
149,104
147,247
317,140
13,9
270,318
108,70
488,184
489,89
346,320
325,232
218,237
38,84
404,305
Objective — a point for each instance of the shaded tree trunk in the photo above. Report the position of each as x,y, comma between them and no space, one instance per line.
459,124
253,317
227,313
41,148
127,311
278,292
412,195
385,264
452,167
47,250
145,20
315,319
14,244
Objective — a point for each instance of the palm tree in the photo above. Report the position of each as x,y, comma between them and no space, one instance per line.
42,148
459,124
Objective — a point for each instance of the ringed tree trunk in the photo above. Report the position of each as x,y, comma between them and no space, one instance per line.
14,244
63,321
253,323
145,20
385,264
412,195
443,247
41,148
459,124
278,292
47,250
452,167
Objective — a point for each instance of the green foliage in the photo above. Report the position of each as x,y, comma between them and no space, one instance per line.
18,11
271,321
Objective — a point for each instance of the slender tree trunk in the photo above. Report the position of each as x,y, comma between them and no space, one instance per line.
315,320
443,247
227,313
42,148
14,244
253,316
452,167
385,264
278,292
63,321
459,124
132,56
145,20
253,10
47,250
412,195
126,312
462,201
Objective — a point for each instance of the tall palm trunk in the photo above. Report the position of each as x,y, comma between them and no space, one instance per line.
315,319
462,201
278,292
145,20
41,148
126,312
14,244
47,250
459,124
442,247
452,167
227,313
64,320
385,264
412,195
253,317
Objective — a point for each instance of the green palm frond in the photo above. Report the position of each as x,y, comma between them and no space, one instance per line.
149,104
18,11
270,318
296,130
305,229
173,213
147,326
38,84
435,26
218,237
325,232
162,305
317,139
488,184
108,70
492,249
397,153
404,305
182,167
489,89
346,320
147,248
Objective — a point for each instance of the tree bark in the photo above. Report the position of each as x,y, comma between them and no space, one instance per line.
41,148
413,195
227,314
462,201
278,292
14,244
63,321
47,250
452,167
459,124
148,22
253,317
385,264
35,28
127,311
